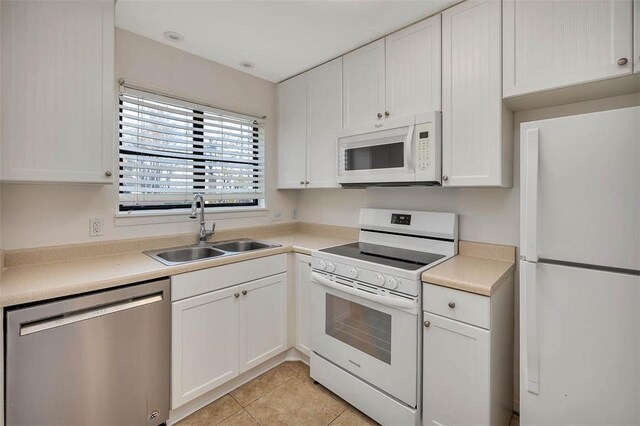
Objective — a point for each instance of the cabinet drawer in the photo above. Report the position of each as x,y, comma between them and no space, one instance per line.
458,305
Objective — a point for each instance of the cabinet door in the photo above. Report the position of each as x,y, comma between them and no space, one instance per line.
472,110
553,44
263,325
303,303
636,36
413,73
204,344
60,86
455,373
292,132
324,122
363,86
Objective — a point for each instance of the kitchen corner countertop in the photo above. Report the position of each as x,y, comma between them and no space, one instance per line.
478,268
43,281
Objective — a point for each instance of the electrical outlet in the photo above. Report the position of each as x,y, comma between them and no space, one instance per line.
277,215
96,227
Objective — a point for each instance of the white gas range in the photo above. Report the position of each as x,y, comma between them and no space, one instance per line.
365,310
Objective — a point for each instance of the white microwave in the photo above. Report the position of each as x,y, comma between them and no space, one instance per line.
401,152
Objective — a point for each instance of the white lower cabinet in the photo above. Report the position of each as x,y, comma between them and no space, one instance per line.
467,356
219,333
455,373
303,303
263,325
205,344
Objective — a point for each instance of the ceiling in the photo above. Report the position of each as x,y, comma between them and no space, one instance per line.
282,38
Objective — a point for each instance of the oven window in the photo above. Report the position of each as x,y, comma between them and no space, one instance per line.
375,157
358,326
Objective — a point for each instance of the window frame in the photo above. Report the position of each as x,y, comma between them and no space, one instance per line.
179,207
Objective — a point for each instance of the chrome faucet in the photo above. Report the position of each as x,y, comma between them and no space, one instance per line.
204,234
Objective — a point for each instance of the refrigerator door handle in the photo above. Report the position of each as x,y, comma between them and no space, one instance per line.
530,212
528,277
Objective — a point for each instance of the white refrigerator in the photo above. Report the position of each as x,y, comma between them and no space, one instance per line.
579,270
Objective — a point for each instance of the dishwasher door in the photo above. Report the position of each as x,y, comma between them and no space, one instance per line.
97,359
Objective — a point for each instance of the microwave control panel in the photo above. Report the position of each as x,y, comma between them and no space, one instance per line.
425,147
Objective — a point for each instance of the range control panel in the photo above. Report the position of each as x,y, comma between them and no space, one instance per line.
400,219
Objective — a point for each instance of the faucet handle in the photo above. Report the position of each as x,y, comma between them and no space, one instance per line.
213,230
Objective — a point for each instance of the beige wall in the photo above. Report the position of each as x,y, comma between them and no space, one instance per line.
52,214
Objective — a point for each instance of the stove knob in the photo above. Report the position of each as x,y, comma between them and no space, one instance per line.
380,280
354,272
322,264
331,267
392,283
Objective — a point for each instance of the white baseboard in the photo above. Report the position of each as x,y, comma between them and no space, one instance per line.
292,354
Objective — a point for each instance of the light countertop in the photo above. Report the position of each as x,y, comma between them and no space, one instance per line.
42,281
479,268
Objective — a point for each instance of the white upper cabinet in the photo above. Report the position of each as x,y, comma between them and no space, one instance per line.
476,127
397,76
636,36
413,72
555,44
309,120
324,121
364,85
58,78
292,132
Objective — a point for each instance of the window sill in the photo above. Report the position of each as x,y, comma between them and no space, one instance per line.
182,215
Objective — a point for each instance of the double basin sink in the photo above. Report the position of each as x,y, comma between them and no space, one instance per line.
180,255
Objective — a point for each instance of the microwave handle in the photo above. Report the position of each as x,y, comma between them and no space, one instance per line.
408,148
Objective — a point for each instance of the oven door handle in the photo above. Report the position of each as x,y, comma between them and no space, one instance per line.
383,300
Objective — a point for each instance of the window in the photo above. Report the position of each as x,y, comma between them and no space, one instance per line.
171,149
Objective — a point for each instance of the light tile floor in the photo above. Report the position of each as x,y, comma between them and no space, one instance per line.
284,395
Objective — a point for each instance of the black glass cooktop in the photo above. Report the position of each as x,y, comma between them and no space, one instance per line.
389,256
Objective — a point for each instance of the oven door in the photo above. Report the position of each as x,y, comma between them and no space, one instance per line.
381,156
375,340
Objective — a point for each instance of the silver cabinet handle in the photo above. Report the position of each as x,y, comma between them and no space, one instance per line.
244,292
445,178
301,182
427,324
108,173
623,61
379,115
452,305
387,113
306,182
236,295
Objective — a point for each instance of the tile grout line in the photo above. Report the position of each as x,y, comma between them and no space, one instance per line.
256,420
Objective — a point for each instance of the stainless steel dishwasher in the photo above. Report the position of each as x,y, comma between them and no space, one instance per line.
98,359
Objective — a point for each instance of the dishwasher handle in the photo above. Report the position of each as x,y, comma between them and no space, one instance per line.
72,317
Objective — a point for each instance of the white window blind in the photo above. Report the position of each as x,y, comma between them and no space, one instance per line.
172,149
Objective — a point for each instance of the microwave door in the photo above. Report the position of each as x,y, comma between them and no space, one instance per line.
385,158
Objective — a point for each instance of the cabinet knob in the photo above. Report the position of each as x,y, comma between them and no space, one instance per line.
244,292
623,61
108,173
379,115
306,182
236,295
452,305
387,113
301,182
445,178
427,324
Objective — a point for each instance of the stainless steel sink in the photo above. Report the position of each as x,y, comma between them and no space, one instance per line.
180,255
239,246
